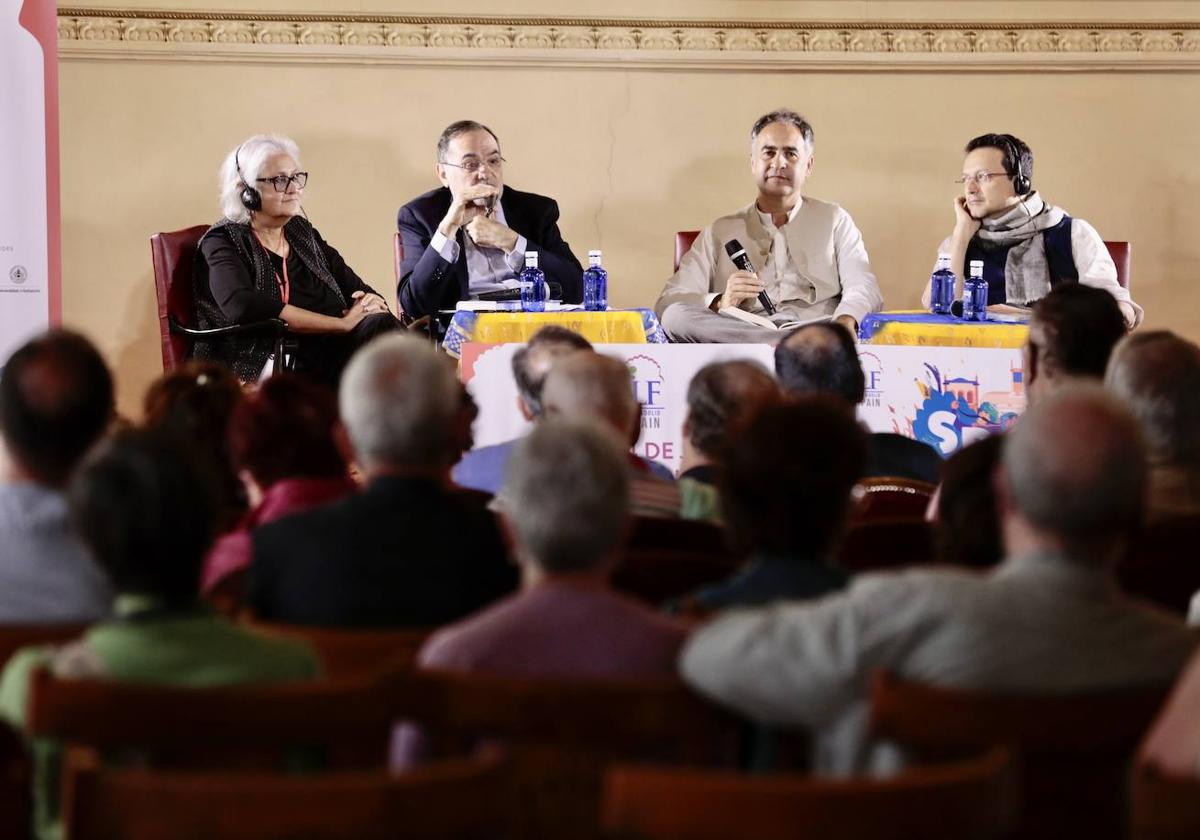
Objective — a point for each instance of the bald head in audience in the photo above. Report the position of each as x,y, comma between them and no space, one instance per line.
588,387
56,400
820,359
1072,332
1072,478
1156,375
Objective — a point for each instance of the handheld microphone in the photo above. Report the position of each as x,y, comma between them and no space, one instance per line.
737,254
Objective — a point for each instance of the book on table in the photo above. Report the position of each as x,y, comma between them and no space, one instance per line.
766,323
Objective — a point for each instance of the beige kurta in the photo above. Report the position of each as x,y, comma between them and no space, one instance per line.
814,265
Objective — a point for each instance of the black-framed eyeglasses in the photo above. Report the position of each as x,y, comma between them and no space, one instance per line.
474,165
281,182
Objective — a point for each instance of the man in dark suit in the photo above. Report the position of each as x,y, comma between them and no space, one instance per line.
408,550
469,237
822,359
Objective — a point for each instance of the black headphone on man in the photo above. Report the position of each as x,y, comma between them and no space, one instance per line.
251,198
1017,151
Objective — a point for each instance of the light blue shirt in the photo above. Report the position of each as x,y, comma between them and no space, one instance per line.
46,575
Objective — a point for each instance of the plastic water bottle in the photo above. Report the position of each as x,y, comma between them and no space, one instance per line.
941,286
595,284
975,294
533,285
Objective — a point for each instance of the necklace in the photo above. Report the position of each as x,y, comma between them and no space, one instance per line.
278,246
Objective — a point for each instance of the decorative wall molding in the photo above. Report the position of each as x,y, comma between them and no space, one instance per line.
428,39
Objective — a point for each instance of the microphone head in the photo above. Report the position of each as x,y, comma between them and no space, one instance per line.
956,308
732,247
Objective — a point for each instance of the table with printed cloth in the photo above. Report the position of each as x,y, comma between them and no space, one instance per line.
613,326
918,328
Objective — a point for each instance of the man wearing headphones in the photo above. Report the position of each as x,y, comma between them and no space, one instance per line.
1026,245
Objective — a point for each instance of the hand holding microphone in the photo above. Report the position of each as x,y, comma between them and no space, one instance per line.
743,287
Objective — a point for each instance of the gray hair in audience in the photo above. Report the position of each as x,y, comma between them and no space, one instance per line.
586,386
787,117
1075,466
399,400
460,127
568,484
1156,375
531,363
718,393
250,156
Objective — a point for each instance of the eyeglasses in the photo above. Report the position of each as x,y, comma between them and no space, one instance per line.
980,178
473,165
281,182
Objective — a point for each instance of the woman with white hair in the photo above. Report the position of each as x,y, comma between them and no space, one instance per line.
264,260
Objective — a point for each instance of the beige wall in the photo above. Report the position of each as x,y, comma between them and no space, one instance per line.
632,153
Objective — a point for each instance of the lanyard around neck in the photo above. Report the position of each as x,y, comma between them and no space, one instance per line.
285,287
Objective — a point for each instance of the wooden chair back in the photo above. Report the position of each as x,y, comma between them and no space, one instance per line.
561,734
1072,751
349,653
668,558
346,723
453,799
969,800
1160,565
886,544
1164,807
16,774
892,497
683,244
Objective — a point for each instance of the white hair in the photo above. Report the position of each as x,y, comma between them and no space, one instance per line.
567,485
398,400
249,156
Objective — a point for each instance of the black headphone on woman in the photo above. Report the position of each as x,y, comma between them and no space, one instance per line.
251,198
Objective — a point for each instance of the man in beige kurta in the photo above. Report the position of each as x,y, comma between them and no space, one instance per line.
807,254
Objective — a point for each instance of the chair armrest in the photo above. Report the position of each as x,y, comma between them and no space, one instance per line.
271,326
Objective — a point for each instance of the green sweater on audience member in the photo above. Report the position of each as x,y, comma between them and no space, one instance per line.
145,643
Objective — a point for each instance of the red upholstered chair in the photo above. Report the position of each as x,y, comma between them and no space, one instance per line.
1160,566
891,497
683,244
173,253
417,325
397,259
886,544
973,798
1119,251
667,558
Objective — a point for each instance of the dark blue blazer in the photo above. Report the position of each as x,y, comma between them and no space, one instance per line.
429,283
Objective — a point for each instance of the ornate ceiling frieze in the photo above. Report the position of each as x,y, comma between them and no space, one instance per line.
115,33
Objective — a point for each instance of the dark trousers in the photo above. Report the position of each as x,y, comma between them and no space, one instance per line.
323,357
